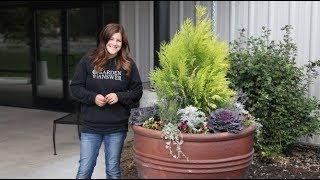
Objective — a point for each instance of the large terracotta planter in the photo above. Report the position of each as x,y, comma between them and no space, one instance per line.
223,155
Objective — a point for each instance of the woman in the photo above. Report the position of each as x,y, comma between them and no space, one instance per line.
106,82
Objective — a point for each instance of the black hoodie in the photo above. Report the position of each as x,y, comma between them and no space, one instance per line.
87,83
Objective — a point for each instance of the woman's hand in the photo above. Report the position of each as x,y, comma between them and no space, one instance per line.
111,98
100,100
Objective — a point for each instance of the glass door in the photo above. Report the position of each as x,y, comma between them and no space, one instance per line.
49,68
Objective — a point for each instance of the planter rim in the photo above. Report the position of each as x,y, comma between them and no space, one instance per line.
196,137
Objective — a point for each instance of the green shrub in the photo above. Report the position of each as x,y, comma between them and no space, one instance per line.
194,67
276,88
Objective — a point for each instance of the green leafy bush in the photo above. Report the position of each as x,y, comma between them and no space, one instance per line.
194,67
276,88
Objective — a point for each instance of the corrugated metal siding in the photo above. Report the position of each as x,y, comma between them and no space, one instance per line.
181,10
137,19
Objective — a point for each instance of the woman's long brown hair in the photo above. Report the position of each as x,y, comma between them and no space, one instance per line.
100,56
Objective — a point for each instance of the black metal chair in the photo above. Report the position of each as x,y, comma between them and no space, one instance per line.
70,118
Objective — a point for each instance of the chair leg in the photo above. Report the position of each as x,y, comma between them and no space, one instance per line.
54,138
79,135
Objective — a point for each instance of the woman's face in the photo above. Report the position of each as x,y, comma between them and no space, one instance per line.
114,44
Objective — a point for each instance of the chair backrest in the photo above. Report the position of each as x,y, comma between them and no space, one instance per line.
77,107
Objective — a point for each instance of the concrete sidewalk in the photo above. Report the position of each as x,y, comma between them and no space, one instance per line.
26,148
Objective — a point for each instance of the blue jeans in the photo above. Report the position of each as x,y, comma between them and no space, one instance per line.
89,150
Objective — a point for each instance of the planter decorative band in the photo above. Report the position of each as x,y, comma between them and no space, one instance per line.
223,155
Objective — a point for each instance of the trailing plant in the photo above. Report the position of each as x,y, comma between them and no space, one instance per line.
277,89
171,133
168,113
